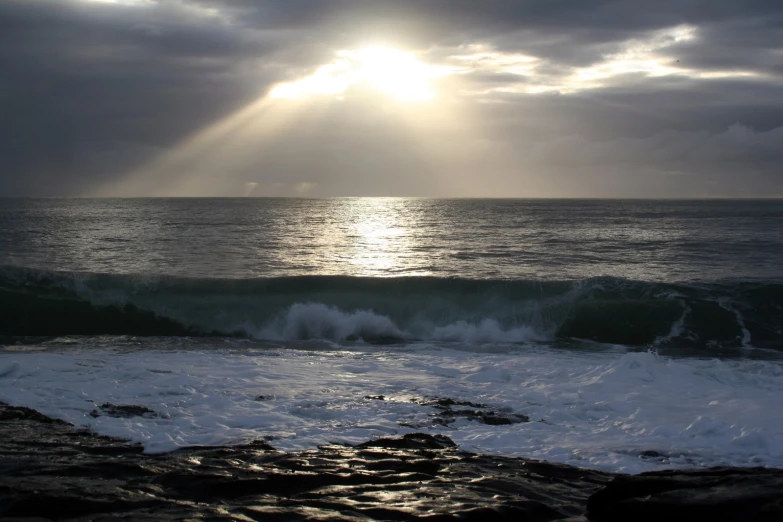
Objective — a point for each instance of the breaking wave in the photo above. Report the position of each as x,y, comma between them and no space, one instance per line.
387,310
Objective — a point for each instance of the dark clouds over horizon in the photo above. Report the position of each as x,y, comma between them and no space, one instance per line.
544,98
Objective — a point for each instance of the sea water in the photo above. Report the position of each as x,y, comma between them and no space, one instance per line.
635,335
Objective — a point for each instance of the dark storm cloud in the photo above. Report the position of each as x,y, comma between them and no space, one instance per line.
79,74
447,17
747,44
636,110
575,32
89,90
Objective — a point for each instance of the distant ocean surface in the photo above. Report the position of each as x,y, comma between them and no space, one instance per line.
621,328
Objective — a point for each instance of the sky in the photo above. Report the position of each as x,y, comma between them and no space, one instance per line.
437,98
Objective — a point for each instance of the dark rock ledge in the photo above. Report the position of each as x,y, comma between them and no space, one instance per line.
447,411
51,471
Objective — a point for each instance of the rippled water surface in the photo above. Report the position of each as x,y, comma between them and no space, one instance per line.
499,239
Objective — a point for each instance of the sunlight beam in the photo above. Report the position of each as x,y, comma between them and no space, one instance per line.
224,153
208,153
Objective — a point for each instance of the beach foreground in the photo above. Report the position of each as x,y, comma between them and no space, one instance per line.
52,471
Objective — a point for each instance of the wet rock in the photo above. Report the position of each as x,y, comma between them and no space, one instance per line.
715,494
411,441
447,414
20,414
53,471
652,454
49,470
123,411
446,402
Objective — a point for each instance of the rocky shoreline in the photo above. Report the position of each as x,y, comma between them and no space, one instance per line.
50,470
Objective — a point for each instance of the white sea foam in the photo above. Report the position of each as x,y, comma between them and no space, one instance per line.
319,321
725,303
677,328
487,331
587,409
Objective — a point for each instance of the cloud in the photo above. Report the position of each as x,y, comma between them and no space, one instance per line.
94,90
737,147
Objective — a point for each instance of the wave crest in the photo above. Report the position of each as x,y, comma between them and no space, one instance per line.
339,308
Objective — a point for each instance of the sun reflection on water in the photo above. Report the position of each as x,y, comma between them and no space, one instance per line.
380,236
374,236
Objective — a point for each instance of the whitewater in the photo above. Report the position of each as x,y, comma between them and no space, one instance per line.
623,336
628,412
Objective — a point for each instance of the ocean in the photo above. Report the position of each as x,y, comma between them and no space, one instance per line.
630,335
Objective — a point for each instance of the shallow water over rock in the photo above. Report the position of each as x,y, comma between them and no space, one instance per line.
51,471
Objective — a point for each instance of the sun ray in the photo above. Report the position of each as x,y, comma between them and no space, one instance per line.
222,158
195,165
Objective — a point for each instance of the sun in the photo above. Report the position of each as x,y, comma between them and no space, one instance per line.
395,73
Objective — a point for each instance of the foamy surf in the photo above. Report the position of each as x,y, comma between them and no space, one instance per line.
627,412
